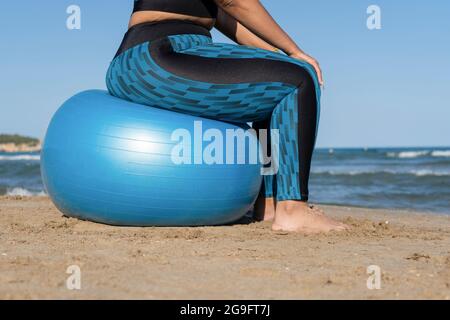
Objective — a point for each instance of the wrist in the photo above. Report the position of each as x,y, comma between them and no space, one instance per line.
294,52
298,54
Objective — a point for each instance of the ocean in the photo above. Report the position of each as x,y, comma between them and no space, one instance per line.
403,178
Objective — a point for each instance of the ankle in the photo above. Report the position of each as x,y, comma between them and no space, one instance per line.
291,206
270,202
264,209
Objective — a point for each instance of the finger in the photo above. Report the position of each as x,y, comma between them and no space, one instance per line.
318,71
320,78
319,75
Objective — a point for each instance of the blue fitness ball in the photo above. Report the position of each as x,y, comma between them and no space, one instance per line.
112,161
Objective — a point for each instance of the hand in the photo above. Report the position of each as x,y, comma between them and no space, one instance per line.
313,62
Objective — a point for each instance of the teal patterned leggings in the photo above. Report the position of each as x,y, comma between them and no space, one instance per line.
188,73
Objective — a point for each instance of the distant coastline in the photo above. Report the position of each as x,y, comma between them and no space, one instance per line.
17,143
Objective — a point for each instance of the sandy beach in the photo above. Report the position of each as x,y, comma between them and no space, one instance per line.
242,261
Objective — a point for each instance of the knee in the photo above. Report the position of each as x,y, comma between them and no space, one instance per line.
304,79
307,94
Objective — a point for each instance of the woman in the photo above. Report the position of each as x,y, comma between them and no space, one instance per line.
167,59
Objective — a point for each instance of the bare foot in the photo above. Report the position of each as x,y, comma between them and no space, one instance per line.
264,209
297,216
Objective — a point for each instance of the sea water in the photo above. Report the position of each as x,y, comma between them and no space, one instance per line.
403,178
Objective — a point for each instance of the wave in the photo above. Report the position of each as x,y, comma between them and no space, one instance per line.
408,154
24,193
423,173
22,157
417,173
441,153
418,154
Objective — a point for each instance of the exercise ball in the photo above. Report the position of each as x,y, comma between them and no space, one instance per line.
111,161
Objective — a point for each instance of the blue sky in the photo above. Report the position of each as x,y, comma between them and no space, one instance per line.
388,87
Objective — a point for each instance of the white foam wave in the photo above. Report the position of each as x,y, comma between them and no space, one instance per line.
408,154
417,154
423,173
24,193
418,173
441,153
21,157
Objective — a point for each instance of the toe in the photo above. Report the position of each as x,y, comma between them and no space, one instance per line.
341,227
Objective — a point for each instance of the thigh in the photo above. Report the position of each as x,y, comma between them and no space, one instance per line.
192,75
290,71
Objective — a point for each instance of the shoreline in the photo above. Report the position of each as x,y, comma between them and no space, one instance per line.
19,148
241,261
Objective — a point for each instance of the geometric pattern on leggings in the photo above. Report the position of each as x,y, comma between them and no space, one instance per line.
285,119
287,146
134,76
205,47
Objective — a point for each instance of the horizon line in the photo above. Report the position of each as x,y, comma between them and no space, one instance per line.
318,147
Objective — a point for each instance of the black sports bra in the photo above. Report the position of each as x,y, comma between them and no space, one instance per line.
196,8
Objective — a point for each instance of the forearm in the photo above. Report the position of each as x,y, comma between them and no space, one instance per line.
234,30
255,18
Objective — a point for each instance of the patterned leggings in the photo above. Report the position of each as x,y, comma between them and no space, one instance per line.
176,66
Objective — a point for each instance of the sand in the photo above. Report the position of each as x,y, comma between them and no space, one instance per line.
242,261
